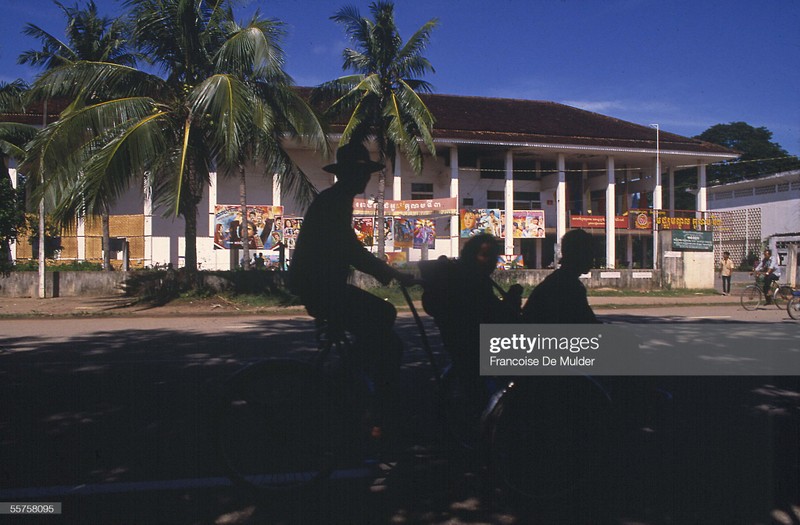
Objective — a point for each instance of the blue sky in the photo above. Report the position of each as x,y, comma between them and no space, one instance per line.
685,65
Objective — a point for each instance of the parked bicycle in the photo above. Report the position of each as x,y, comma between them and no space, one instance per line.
752,295
793,306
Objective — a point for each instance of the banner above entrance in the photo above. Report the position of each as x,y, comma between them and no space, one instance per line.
408,208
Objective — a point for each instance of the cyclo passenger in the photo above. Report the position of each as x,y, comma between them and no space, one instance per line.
325,251
771,272
460,296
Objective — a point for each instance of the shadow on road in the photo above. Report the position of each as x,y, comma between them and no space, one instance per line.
115,425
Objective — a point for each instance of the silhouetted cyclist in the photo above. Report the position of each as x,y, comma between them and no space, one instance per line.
326,249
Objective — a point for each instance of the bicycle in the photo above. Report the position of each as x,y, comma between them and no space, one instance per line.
288,424
793,306
752,295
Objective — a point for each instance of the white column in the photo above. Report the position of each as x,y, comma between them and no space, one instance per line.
561,200
509,202
212,202
657,205
80,234
611,231
397,181
13,245
147,211
455,230
276,190
701,187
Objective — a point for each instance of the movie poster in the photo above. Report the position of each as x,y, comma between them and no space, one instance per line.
475,221
364,229
291,227
510,262
403,232
424,233
264,227
529,224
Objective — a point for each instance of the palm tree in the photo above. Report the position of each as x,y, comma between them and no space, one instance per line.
250,67
171,129
90,37
381,96
13,138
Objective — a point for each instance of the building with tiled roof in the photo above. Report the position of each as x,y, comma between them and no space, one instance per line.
491,154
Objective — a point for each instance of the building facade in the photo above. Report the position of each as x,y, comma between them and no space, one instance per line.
758,213
578,168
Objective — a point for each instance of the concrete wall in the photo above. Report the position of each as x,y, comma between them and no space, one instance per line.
614,279
62,284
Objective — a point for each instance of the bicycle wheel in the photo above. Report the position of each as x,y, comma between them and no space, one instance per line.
752,297
781,295
461,405
793,307
276,426
548,436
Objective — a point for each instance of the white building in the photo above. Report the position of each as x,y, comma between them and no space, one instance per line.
761,212
580,168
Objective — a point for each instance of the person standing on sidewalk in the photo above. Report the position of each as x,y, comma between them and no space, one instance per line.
725,272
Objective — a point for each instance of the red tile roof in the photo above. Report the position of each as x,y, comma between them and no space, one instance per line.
512,121
532,121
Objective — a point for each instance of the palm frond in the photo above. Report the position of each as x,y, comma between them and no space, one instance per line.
254,50
97,78
225,101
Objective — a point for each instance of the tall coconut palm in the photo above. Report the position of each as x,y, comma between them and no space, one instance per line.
89,37
381,97
250,67
171,127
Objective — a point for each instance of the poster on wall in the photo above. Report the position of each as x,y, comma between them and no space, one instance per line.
398,259
475,221
529,224
424,233
403,232
264,227
510,262
364,229
388,233
291,227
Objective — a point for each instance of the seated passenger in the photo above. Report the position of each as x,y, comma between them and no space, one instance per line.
561,297
460,295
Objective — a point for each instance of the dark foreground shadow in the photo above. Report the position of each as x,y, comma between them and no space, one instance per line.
115,425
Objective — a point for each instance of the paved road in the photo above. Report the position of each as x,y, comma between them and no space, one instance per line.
109,416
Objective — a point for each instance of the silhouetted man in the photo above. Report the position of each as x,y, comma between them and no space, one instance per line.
561,297
327,248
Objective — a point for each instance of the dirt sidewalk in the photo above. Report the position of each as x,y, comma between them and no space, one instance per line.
218,306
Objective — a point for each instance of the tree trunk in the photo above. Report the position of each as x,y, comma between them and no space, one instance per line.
190,233
189,202
106,238
243,203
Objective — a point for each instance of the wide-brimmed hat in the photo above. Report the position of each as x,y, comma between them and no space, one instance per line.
353,157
